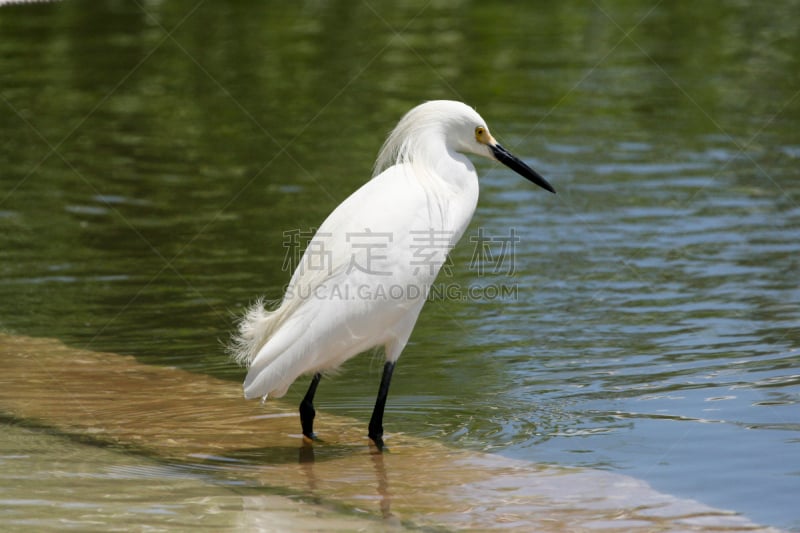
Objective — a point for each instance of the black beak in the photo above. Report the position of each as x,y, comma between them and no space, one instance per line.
516,164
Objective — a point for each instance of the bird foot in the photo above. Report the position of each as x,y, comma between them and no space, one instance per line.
311,439
378,443
307,415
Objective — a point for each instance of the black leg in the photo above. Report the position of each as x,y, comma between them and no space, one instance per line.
376,422
307,412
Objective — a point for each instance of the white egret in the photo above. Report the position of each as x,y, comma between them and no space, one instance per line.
365,275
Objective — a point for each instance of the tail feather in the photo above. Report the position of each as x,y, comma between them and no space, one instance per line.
254,329
278,363
272,379
271,345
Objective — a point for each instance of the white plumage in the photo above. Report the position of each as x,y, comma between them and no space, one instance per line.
365,275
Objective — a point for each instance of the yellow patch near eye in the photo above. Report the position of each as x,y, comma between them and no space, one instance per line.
481,135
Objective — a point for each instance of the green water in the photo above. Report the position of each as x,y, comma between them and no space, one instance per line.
152,155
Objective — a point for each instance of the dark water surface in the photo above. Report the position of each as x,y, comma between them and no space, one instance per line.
152,155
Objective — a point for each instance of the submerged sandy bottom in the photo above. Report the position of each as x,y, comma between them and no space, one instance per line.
218,460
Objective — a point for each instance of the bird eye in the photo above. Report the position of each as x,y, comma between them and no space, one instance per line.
480,131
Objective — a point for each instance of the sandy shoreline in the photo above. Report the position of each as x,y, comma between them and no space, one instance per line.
201,424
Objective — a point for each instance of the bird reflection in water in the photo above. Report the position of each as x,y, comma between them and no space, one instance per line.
307,458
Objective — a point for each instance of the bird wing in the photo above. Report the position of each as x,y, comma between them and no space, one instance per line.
361,281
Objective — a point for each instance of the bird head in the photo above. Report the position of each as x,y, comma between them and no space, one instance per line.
460,127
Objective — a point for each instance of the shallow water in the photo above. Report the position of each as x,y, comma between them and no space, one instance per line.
51,484
204,430
154,154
